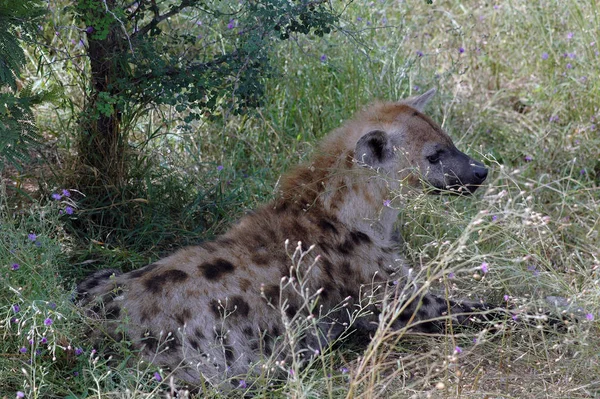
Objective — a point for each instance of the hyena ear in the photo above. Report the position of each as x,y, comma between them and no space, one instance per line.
419,102
374,148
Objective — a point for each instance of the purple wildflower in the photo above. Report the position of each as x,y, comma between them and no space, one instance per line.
48,321
157,376
570,35
582,172
554,118
16,308
515,317
533,269
419,53
528,158
545,56
323,58
243,384
23,350
15,266
451,275
416,88
75,373
589,316
43,340
484,267
69,210
461,50
494,218
344,370
358,19
231,24
52,305
506,298
20,394
38,352
66,193
78,351
31,341
220,168
32,237
458,349
387,202
89,30
569,66
56,196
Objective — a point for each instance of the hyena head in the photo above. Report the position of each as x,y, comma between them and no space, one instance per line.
413,148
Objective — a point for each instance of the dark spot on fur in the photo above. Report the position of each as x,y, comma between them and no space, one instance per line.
426,301
281,207
229,355
291,311
245,284
325,248
238,306
183,316
194,344
260,259
275,332
272,293
113,312
346,247
150,341
248,332
140,272
327,226
172,345
429,327
358,237
215,270
199,334
328,290
155,283
216,308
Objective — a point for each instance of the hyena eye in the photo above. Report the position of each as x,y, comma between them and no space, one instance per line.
435,158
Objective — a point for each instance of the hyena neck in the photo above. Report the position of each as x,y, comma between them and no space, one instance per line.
366,207
344,190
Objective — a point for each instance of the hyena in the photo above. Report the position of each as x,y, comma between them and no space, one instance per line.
207,311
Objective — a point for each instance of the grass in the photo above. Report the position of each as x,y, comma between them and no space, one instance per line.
517,86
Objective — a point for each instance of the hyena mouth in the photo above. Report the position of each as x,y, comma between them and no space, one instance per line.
474,179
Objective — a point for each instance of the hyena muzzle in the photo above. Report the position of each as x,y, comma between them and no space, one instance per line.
212,312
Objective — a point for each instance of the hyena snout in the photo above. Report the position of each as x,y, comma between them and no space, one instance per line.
466,176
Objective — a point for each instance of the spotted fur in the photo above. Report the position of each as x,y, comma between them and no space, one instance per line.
213,310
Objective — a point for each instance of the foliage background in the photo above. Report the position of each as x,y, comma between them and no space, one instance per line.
518,87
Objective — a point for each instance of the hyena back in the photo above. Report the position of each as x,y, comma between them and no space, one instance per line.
208,311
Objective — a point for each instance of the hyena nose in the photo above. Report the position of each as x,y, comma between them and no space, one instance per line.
480,171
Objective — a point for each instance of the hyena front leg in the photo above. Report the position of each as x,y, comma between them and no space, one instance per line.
430,313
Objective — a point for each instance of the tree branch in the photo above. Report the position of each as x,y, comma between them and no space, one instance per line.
158,18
